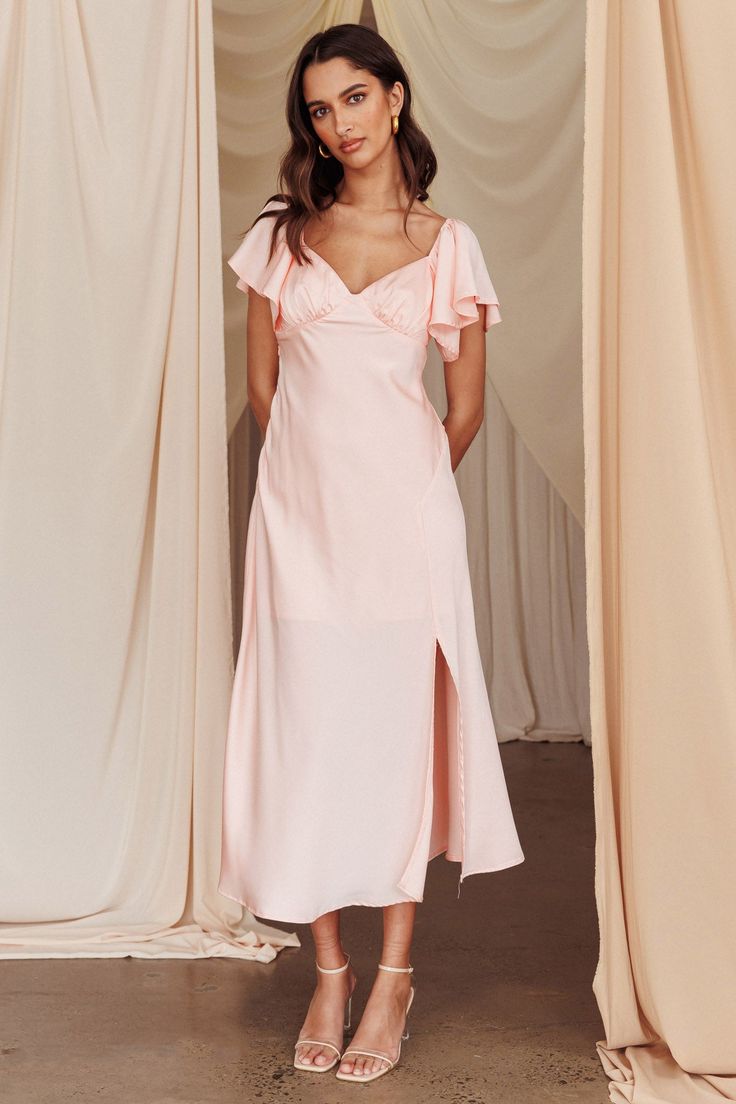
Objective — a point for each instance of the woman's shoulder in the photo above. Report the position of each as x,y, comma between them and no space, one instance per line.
454,221
427,225
262,259
426,216
275,202
435,222
461,232
430,213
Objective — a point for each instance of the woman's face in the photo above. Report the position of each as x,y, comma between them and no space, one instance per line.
348,104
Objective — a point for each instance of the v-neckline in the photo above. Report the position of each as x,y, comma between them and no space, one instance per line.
373,283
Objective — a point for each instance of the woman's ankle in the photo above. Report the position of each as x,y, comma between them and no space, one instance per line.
331,957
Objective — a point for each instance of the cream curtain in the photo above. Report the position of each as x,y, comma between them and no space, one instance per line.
659,282
116,635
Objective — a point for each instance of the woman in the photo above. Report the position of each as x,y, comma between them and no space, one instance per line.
360,743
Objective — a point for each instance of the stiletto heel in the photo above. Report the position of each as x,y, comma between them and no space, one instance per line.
312,1067
392,1063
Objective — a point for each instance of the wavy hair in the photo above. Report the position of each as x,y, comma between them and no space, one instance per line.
308,181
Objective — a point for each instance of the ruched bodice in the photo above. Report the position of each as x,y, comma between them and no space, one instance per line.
359,643
432,296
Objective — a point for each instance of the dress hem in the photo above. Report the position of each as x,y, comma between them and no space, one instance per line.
259,914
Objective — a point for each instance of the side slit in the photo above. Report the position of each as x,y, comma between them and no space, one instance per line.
449,700
424,834
438,503
442,827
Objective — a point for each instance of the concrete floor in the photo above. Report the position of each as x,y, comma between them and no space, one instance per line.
504,1010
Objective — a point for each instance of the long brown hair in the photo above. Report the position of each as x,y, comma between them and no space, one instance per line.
307,180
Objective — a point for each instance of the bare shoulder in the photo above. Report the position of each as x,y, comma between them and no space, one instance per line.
425,223
427,215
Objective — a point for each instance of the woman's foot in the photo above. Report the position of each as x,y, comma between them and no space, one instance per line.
326,1014
381,1025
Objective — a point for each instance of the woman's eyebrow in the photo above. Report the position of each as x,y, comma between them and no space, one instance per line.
343,93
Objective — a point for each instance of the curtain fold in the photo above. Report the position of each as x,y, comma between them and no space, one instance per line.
499,89
116,634
659,276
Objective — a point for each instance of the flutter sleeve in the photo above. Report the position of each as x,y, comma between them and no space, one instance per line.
252,264
461,285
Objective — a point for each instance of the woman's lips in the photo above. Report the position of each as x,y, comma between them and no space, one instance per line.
350,147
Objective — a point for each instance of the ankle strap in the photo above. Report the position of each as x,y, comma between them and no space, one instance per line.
337,969
396,969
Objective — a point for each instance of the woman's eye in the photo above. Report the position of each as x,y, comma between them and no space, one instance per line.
316,113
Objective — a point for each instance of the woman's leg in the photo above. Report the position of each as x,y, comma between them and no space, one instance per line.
382,1023
325,1015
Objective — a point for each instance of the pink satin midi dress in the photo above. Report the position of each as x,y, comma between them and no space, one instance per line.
360,742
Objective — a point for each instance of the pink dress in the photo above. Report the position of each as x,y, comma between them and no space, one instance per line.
360,742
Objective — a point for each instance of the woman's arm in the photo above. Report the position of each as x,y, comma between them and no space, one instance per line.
465,380
262,369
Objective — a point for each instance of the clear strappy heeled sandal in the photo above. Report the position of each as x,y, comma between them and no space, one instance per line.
313,1067
392,1062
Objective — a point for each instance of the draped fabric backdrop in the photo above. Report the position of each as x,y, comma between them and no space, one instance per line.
660,430
116,635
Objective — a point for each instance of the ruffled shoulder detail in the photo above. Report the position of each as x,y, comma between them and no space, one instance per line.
461,284
251,261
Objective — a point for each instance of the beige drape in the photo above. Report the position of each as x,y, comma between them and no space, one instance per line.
659,283
115,635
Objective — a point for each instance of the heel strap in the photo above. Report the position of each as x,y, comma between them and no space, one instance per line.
337,969
396,969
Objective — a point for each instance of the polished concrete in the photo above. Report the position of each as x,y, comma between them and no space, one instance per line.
504,1010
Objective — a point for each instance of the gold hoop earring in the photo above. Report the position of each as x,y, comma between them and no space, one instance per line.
395,123
319,147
